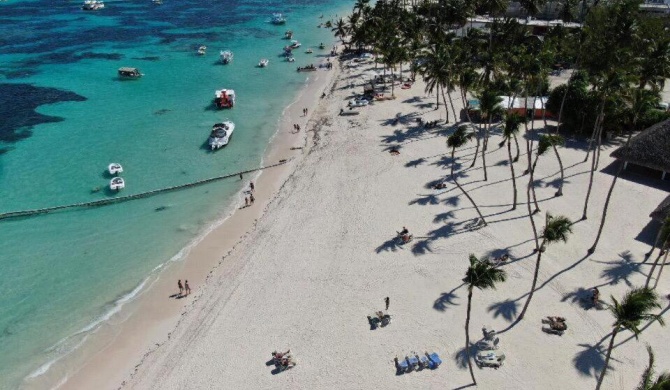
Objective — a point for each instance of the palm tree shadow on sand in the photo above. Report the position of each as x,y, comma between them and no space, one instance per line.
590,361
446,299
506,309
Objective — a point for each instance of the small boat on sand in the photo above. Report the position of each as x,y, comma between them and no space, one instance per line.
114,169
263,63
117,184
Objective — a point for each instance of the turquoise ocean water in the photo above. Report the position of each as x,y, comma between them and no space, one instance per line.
64,116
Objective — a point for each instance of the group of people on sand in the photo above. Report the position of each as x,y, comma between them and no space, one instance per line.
248,201
556,324
184,289
283,360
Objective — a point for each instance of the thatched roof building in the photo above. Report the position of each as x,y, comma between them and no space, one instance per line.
662,211
650,148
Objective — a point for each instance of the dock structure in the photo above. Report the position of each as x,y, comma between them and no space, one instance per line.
120,199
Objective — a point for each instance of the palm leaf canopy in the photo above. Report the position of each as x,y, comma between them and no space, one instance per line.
482,274
557,229
512,123
634,308
547,141
647,381
460,137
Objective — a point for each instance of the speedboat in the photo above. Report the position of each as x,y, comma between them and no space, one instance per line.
224,98
202,50
221,134
92,5
278,19
295,44
288,34
117,184
263,63
114,169
226,56
130,73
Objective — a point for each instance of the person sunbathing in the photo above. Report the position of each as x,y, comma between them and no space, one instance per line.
596,295
440,186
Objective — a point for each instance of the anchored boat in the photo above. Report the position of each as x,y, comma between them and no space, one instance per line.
226,56
278,19
263,63
114,169
221,134
117,184
224,98
130,73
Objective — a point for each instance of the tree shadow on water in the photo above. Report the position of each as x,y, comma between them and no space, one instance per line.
508,309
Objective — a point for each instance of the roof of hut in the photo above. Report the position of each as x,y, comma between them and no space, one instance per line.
662,211
650,148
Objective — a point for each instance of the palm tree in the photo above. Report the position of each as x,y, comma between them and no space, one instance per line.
628,314
664,238
647,381
546,141
341,30
510,130
489,103
435,70
555,229
640,100
482,275
459,138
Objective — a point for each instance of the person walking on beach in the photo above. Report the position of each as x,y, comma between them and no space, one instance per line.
387,300
251,199
181,288
246,201
187,287
240,176
251,185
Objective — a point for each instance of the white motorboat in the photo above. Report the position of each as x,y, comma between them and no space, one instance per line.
93,5
114,169
290,59
129,73
288,34
117,184
226,56
263,63
295,44
157,2
278,19
202,50
224,98
221,134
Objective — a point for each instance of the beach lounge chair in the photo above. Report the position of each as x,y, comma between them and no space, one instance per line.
424,362
412,362
401,365
434,360
489,359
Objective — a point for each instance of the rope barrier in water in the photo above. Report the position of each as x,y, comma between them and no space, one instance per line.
120,199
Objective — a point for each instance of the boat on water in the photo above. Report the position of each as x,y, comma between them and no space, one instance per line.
157,2
226,56
117,184
288,34
93,5
309,51
224,98
220,135
278,19
130,73
202,50
295,44
114,168
290,59
263,63
322,46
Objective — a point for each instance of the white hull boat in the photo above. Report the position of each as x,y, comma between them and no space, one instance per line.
278,19
226,56
114,169
263,63
202,50
92,5
117,184
221,134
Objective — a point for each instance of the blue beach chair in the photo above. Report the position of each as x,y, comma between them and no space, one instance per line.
425,361
402,366
413,363
435,360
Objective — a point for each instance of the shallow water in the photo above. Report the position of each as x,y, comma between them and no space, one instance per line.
64,272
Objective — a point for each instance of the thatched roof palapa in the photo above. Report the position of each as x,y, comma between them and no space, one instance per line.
662,211
650,148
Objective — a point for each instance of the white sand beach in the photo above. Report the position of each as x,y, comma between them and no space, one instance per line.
324,255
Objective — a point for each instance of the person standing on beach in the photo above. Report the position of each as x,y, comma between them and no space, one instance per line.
181,288
251,198
240,176
387,300
187,287
246,201
251,185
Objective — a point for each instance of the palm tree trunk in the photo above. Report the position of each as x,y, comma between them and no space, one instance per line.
453,150
451,102
593,164
485,143
653,268
607,359
477,136
516,142
530,212
511,167
535,275
532,187
658,238
560,164
467,336
660,270
446,106
525,126
609,196
593,137
437,92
